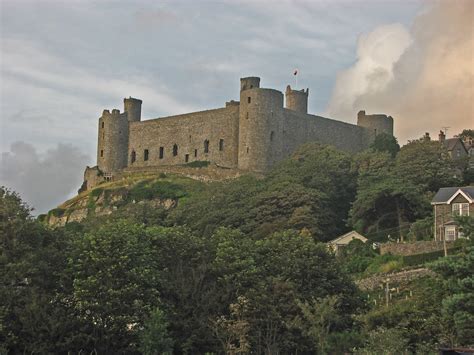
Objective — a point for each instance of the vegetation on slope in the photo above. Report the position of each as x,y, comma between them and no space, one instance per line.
236,266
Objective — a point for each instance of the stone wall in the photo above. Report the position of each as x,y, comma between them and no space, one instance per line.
411,248
375,281
112,141
299,128
218,129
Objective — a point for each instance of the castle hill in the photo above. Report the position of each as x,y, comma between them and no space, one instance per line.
283,177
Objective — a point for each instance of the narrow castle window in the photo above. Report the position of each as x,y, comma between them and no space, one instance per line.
247,115
249,99
133,157
247,150
195,153
102,124
145,154
186,158
272,135
101,153
175,150
206,146
162,152
221,145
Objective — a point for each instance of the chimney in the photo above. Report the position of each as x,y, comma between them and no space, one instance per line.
441,136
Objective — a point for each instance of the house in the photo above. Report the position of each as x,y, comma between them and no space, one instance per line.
455,146
340,242
448,203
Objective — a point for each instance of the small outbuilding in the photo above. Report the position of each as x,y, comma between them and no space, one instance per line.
340,242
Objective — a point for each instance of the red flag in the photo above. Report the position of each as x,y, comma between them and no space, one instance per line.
296,72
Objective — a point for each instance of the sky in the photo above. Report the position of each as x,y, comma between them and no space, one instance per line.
63,62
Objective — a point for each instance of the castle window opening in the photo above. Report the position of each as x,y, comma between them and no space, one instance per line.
195,153
249,99
162,152
145,154
247,150
272,135
221,145
206,146
175,150
133,157
247,115
186,158
103,135
102,124
101,153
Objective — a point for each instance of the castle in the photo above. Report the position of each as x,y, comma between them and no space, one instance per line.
250,135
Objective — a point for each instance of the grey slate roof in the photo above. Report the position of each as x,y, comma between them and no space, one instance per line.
445,193
450,143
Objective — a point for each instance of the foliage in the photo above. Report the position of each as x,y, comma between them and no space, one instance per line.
386,143
458,307
154,337
421,229
146,190
466,134
197,164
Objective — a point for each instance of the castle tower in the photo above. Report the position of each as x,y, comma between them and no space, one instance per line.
297,100
112,141
260,125
133,108
378,123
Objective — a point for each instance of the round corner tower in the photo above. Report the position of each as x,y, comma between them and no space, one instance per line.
377,123
133,108
297,100
112,141
260,120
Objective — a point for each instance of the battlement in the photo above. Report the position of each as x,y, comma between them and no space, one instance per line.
297,100
378,123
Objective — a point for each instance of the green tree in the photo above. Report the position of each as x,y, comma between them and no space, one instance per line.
385,143
458,306
426,164
154,337
115,283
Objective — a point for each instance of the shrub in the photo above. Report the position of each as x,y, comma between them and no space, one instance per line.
197,164
57,212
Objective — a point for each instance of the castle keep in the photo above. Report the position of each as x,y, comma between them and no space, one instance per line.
249,135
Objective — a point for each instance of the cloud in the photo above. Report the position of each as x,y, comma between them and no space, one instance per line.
424,77
42,180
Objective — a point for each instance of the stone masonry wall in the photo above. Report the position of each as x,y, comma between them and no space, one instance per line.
299,128
411,248
189,132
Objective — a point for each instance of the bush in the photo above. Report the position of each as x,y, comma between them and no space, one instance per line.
385,263
57,212
145,190
197,164
421,229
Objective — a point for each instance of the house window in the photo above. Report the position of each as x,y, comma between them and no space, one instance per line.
101,153
458,153
145,154
450,233
195,153
206,146
175,150
221,144
460,209
249,99
133,156
162,152
186,158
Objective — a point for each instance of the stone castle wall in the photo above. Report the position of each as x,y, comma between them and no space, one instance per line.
250,135
190,133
